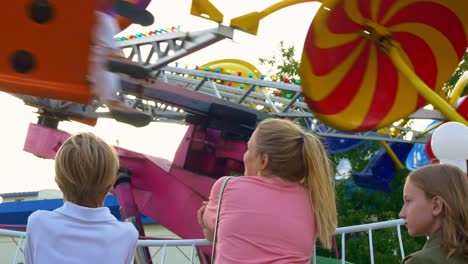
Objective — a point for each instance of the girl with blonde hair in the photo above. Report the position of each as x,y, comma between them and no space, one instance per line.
285,201
435,205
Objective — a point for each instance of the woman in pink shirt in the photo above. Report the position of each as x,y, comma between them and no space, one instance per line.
284,202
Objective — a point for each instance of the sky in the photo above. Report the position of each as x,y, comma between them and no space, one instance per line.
22,171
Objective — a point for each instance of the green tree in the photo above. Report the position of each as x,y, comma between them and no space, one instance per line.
283,66
462,67
359,206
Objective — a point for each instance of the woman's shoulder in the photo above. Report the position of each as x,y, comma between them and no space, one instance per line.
257,180
220,181
414,259
419,257
433,256
247,179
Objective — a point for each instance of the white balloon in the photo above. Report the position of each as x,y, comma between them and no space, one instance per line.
450,141
459,163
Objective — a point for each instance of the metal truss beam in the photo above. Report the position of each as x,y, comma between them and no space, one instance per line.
160,50
157,51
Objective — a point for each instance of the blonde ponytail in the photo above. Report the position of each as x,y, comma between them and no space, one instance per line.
319,182
286,144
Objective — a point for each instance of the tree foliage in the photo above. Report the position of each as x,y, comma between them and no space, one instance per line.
463,67
357,206
360,206
283,66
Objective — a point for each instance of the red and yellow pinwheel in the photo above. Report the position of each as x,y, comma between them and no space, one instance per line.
369,63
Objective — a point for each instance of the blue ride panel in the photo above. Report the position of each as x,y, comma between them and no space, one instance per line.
381,169
17,213
418,156
334,145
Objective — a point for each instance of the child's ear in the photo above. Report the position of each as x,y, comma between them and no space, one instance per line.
437,205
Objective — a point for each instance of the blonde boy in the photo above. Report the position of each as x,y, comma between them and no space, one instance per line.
82,230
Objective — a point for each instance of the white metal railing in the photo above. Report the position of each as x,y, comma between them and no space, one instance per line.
17,237
163,245
369,228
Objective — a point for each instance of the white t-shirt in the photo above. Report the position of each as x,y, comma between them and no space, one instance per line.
74,234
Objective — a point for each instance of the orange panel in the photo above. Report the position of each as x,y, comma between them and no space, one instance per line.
46,54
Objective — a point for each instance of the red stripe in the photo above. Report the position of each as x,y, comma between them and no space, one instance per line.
421,57
339,22
462,109
346,90
383,8
385,92
324,60
365,8
438,17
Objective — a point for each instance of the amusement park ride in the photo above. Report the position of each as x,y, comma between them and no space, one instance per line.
368,68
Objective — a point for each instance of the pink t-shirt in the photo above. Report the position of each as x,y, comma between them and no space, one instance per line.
262,220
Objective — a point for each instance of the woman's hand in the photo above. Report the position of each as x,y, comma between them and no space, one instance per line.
200,213
206,231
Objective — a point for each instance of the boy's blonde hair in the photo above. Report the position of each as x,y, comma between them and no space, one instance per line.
449,183
85,169
300,157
